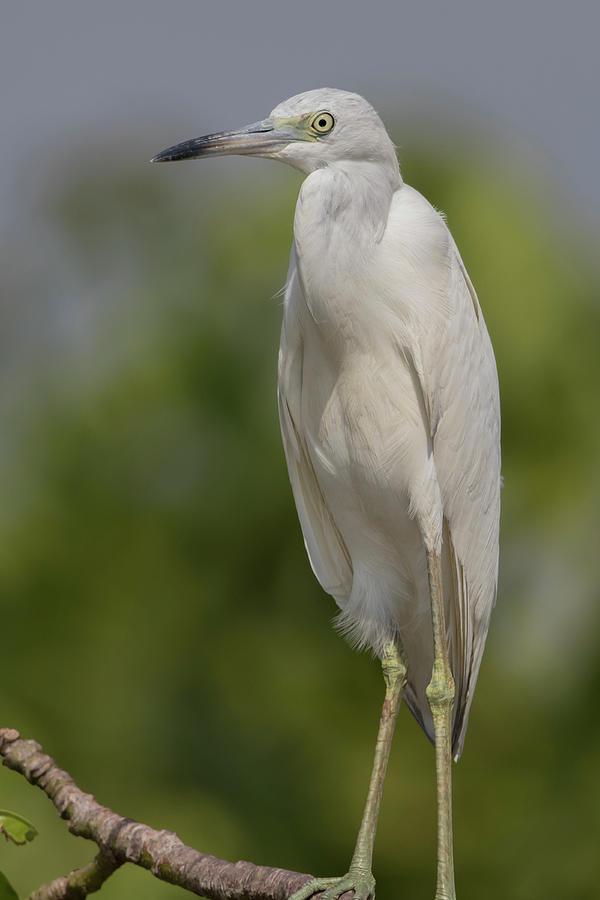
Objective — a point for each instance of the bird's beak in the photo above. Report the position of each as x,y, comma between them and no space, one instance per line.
259,139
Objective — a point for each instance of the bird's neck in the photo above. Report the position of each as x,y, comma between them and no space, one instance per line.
341,216
344,209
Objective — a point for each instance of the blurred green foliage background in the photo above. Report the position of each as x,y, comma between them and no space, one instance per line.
163,635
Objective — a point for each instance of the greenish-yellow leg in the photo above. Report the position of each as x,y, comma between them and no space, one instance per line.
359,877
440,694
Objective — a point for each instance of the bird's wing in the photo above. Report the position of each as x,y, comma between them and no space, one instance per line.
326,550
460,384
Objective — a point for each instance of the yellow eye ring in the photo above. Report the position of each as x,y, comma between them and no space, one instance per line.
322,123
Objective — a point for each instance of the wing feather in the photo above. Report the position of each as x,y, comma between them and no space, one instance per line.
325,546
462,385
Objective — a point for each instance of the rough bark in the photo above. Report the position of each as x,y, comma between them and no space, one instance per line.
122,840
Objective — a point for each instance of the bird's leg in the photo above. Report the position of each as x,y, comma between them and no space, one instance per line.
394,673
440,694
359,877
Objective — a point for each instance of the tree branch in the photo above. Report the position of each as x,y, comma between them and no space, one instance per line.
80,882
121,840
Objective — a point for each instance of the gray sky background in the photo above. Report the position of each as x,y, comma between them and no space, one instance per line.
527,72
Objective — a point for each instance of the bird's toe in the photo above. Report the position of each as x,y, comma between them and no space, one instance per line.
314,886
362,883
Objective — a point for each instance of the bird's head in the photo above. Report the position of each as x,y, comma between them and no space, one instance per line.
311,130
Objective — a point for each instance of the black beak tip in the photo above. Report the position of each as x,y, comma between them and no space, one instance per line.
164,156
185,150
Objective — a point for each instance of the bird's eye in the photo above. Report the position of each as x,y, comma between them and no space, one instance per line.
322,123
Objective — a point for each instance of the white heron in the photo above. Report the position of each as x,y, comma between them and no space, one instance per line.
390,417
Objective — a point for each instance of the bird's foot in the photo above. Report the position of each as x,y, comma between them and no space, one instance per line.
357,880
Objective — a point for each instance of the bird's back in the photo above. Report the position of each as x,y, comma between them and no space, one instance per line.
390,418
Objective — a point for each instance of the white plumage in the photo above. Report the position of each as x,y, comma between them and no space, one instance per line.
390,416
389,410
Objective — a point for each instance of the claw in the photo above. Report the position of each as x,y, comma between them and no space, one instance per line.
314,886
362,883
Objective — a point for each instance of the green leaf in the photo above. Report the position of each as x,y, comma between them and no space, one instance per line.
7,891
16,828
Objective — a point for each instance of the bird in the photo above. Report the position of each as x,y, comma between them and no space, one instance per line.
390,418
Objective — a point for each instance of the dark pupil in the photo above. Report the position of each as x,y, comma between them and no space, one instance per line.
323,123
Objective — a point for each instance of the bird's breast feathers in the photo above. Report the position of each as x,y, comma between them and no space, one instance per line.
387,281
397,367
